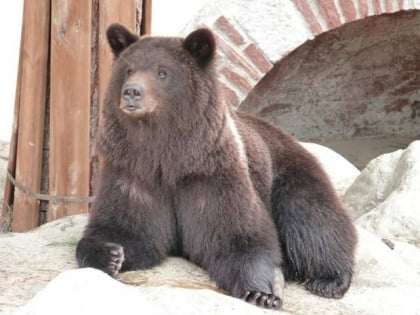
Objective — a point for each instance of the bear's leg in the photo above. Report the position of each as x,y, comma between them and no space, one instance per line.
225,229
316,234
111,251
128,229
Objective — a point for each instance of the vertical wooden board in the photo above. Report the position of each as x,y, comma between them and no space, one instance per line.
109,12
112,11
70,104
146,23
32,102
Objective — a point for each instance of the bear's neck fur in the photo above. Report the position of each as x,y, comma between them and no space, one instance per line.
166,151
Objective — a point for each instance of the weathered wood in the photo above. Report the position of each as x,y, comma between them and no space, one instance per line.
111,11
72,33
146,21
71,30
31,99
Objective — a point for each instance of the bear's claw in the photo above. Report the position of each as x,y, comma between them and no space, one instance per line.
261,299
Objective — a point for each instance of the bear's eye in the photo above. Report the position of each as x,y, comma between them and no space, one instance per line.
129,71
162,74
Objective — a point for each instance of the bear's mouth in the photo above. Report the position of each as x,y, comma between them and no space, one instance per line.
132,108
136,111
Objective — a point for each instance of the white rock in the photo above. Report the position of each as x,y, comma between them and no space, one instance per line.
385,198
383,284
30,260
372,186
88,291
408,253
340,171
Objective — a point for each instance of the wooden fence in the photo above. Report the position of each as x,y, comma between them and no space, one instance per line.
63,71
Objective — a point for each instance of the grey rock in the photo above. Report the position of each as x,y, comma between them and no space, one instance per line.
385,198
340,171
30,260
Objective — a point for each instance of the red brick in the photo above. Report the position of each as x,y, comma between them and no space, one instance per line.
235,58
330,13
226,27
377,7
309,16
349,10
258,57
229,95
237,79
364,9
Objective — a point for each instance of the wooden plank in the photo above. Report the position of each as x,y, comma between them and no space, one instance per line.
32,102
112,11
109,12
146,21
70,104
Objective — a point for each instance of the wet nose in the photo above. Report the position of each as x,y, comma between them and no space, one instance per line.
132,92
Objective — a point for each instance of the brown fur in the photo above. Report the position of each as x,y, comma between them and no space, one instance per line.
185,175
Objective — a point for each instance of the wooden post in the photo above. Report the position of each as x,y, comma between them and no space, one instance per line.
146,21
111,11
63,50
69,175
31,100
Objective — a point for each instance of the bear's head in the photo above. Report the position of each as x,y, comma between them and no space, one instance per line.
157,75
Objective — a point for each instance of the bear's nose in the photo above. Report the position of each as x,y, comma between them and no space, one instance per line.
132,93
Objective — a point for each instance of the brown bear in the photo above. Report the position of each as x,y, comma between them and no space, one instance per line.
185,175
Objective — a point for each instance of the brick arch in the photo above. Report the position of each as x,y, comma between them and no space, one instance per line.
325,15
353,88
243,62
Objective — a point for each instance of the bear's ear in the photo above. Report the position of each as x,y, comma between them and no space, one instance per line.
119,38
201,45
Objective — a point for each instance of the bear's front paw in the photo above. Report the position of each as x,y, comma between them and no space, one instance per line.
114,258
330,288
266,300
105,256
